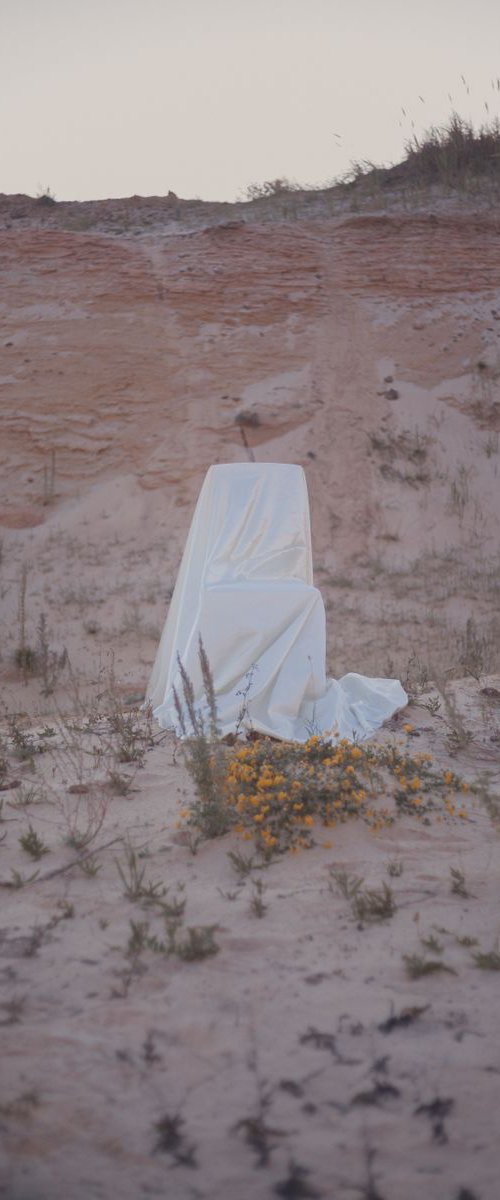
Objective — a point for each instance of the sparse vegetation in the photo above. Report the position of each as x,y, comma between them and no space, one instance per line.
132,875
367,904
271,188
25,655
459,492
32,844
487,960
417,967
194,943
458,884
90,866
473,650
452,155
258,908
171,1140
402,454
416,680
204,754
28,795
49,663
242,864
83,817
45,197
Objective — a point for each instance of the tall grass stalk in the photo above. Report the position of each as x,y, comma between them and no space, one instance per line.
204,753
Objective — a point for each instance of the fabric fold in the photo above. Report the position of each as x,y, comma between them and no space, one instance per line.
245,586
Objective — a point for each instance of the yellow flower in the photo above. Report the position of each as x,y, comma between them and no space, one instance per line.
408,728
258,818
356,752
415,783
309,820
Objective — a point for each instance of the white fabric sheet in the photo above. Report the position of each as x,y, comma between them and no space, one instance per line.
245,585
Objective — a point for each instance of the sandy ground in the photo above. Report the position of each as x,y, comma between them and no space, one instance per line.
365,347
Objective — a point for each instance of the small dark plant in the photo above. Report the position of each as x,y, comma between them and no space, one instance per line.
257,906
171,1140
49,663
417,967
367,904
198,942
32,844
488,960
458,884
242,864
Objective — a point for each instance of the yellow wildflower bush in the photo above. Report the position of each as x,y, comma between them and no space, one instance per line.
277,793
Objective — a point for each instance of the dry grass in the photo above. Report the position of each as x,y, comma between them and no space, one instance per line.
452,155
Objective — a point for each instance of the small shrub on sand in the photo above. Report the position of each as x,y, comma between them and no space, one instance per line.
487,960
458,884
33,844
417,967
367,904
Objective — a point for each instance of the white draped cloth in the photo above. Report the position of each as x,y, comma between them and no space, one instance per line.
245,585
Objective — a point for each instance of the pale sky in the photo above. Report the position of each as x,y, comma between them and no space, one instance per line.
104,98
